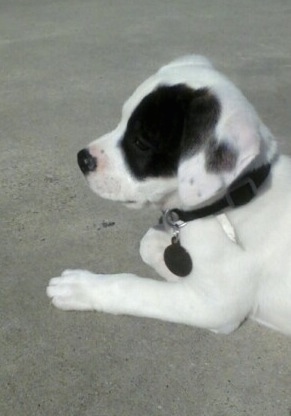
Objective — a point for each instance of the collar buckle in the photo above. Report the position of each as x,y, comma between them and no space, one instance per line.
171,219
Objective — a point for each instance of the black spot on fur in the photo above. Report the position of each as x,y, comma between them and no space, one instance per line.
169,123
220,157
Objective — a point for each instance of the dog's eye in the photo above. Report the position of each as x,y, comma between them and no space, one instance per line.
142,144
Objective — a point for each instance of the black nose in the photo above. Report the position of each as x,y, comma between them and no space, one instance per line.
86,161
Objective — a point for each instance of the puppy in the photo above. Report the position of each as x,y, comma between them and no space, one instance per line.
191,144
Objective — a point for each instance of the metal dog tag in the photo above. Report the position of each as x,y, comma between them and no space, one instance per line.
177,259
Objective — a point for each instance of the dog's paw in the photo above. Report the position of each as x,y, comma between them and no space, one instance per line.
74,290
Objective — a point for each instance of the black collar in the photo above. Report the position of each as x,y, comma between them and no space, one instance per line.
242,191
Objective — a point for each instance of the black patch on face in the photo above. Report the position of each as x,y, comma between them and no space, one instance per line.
220,156
169,123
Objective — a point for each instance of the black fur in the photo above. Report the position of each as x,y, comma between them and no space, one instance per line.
169,123
220,157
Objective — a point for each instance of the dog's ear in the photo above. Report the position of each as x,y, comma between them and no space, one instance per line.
215,148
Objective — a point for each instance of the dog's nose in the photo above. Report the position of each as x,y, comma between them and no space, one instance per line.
86,161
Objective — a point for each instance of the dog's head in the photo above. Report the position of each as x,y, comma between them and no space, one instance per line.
184,136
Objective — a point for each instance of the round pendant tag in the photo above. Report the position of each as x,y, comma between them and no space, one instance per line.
178,260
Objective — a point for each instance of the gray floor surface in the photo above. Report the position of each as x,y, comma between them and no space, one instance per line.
65,69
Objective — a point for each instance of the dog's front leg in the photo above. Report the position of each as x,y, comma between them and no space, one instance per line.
122,293
133,295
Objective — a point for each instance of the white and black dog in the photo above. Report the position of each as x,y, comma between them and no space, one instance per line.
191,144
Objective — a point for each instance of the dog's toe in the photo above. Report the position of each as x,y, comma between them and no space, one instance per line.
72,290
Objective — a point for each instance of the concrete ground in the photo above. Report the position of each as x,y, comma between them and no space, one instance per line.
65,69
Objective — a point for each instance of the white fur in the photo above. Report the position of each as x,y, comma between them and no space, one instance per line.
248,275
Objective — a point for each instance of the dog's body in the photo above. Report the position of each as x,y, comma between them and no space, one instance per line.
185,136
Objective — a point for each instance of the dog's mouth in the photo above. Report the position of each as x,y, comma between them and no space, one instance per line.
133,204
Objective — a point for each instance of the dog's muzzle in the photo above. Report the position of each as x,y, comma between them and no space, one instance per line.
86,161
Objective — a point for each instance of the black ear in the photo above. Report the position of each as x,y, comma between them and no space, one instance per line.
201,116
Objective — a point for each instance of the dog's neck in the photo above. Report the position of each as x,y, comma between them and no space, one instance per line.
241,192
